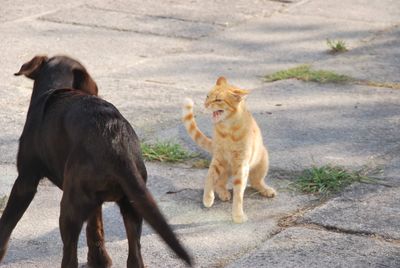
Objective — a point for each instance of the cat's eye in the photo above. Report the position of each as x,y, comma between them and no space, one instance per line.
218,100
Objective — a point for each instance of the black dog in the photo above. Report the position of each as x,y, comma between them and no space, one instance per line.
87,148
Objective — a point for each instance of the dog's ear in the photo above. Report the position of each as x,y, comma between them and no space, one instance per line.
84,82
31,68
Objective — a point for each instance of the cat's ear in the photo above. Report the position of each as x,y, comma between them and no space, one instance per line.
240,94
221,81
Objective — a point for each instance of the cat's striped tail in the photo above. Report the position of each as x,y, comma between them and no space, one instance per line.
190,124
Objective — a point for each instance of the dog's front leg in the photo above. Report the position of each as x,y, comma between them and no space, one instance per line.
97,255
21,196
133,225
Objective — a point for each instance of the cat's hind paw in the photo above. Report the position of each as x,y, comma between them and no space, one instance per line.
268,192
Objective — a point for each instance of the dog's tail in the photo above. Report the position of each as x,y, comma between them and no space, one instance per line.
142,200
191,127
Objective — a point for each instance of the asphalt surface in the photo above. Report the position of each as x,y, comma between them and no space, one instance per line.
148,56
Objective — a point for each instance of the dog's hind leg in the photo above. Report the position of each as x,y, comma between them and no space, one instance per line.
76,207
97,255
133,225
72,216
21,196
70,226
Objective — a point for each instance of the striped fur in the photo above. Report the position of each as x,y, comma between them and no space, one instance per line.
191,127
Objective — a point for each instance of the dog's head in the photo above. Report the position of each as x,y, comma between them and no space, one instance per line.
58,72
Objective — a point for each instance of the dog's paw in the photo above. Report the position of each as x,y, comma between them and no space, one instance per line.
98,257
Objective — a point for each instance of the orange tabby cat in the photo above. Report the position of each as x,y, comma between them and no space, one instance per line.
237,147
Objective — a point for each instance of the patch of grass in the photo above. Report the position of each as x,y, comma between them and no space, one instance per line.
336,46
3,201
326,180
165,152
305,73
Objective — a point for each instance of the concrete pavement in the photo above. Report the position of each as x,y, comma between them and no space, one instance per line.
147,56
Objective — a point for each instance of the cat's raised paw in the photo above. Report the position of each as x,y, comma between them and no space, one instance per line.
240,218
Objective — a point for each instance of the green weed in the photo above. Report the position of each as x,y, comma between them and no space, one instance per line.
165,152
336,46
305,73
327,180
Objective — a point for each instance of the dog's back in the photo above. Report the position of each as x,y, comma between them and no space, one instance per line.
93,139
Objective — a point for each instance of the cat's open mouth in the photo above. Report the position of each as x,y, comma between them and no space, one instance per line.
217,116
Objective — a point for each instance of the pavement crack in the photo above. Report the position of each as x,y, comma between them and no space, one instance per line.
89,25
349,231
295,220
37,15
178,191
167,17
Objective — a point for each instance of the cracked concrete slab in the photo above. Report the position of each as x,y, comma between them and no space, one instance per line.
112,50
168,18
126,22
369,209
304,247
223,13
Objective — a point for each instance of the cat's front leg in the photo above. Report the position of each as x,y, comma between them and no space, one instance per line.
220,184
212,176
240,176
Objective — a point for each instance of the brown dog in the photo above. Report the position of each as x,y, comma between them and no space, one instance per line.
87,148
